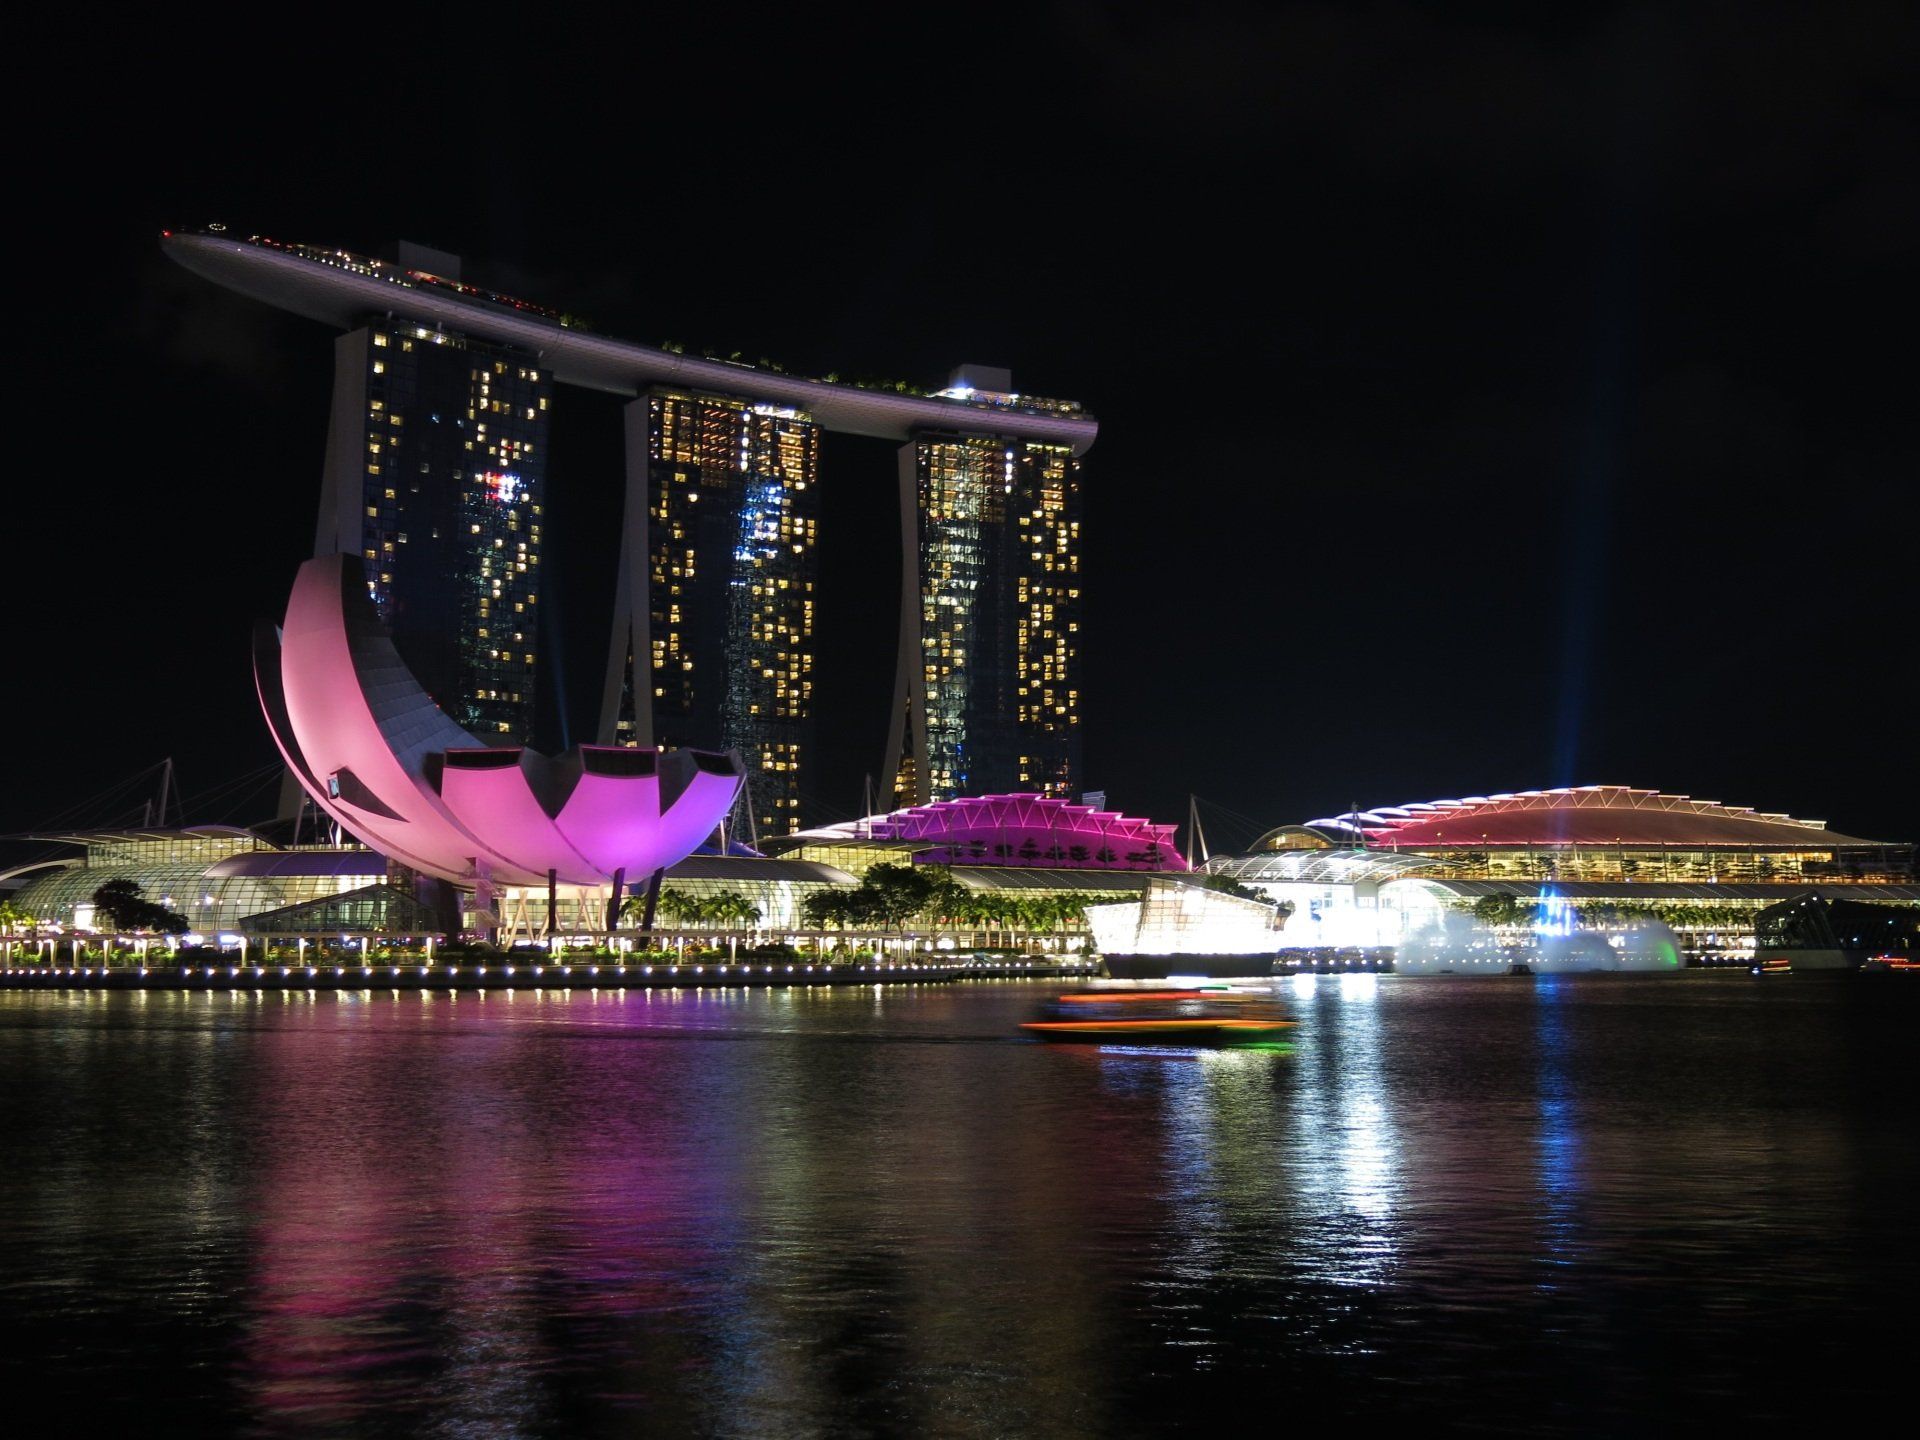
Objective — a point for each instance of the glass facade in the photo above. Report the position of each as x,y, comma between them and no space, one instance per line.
999,557
183,871
1880,865
453,492
733,530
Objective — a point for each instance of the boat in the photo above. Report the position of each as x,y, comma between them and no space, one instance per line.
1212,1017
1889,965
1811,932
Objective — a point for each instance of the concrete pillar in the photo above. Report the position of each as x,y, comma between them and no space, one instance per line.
907,728
339,527
630,642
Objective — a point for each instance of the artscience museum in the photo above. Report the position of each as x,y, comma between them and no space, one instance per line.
375,754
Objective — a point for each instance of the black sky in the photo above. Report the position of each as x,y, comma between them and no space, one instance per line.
1491,397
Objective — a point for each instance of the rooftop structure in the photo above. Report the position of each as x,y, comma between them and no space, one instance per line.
1604,833
1578,815
343,289
998,830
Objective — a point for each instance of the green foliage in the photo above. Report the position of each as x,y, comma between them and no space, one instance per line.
825,908
899,892
1501,910
678,907
893,896
13,919
1227,885
126,908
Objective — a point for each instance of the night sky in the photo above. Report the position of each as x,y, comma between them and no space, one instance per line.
1489,399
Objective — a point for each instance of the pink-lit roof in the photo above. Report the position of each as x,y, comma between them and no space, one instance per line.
1580,815
1013,820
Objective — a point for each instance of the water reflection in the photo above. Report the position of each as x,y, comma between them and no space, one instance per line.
1559,1134
878,1212
1347,1170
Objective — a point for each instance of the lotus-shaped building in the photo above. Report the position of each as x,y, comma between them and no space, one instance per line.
369,745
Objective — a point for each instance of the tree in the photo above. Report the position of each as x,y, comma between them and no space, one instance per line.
827,907
13,918
898,892
1227,885
1077,854
676,907
1499,910
126,908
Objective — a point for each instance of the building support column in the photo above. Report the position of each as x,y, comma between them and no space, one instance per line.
613,903
338,529
907,728
630,641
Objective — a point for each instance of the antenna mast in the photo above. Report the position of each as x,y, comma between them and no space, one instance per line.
1194,830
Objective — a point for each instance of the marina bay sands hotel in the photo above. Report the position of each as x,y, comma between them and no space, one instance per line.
435,474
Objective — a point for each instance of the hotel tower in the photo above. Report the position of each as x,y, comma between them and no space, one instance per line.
435,477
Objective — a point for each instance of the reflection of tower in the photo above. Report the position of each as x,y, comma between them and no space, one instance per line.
723,505
988,695
434,476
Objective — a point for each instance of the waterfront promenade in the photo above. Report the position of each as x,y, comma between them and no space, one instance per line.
521,975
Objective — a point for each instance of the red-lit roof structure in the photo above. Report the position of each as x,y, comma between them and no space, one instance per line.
1574,815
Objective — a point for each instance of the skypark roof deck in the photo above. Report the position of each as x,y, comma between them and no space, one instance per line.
342,289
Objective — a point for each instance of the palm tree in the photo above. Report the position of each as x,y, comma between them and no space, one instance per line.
674,906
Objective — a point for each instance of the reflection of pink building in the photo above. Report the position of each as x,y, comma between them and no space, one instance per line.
1022,830
376,754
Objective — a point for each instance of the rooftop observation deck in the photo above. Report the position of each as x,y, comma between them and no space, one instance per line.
343,289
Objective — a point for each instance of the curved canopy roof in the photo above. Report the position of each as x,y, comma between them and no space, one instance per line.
280,864
1642,892
1573,815
1008,829
1318,867
344,289
754,869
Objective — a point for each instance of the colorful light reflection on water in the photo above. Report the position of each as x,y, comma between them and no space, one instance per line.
1543,1204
